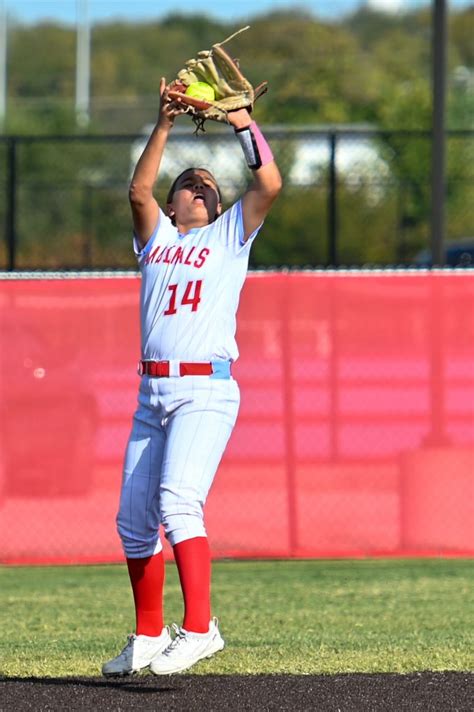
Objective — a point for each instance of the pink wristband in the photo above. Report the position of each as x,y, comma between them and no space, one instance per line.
266,155
256,150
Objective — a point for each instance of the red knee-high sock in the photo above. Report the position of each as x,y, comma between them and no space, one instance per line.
147,577
193,559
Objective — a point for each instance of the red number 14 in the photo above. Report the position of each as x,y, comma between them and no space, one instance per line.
192,296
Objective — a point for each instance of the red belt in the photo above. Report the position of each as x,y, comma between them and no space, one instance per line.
161,369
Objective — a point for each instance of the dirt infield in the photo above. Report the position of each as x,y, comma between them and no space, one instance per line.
427,692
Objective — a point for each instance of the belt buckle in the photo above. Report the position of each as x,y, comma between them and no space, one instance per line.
174,368
140,370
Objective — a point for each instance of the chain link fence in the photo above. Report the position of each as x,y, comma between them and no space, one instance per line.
354,197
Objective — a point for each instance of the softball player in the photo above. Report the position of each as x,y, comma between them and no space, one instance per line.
193,260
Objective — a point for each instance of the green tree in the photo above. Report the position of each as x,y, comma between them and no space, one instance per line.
369,68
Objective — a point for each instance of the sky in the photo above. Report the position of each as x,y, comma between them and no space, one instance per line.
65,11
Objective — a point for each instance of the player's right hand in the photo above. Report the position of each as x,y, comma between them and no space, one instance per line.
169,108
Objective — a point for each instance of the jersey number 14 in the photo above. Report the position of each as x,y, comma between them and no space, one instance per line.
191,296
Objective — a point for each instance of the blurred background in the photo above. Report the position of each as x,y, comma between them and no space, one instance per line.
349,114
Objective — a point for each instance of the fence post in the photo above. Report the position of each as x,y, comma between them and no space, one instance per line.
437,437
87,223
334,385
438,149
289,418
10,213
332,202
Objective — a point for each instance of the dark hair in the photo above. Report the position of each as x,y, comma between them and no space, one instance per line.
192,168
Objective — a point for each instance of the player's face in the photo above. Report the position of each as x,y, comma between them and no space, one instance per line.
195,199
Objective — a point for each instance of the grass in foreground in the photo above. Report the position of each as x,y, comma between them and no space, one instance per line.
299,617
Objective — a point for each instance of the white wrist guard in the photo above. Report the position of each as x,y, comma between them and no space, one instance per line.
256,150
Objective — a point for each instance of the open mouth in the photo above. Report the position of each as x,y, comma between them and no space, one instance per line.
199,198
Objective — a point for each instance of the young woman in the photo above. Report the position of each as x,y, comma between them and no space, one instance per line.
193,258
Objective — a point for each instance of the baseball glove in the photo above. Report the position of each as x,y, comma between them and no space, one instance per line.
231,88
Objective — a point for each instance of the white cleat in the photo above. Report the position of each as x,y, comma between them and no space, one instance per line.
137,655
187,649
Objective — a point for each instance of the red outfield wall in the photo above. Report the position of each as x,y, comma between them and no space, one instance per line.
355,435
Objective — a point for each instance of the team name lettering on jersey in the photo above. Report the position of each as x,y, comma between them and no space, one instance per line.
190,289
176,254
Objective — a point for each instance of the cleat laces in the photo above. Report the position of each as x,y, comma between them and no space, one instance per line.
130,640
180,636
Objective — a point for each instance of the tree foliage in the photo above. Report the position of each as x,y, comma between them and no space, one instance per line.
318,71
369,68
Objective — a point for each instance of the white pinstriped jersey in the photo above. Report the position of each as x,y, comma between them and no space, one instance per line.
191,287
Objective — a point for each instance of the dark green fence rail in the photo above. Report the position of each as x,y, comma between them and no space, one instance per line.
357,197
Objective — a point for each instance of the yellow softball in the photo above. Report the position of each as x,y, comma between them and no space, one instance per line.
201,90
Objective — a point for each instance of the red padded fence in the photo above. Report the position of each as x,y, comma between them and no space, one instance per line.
355,435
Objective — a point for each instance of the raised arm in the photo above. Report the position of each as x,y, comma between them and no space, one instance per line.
267,183
145,210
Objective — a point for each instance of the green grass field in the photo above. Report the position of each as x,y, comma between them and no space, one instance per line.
276,616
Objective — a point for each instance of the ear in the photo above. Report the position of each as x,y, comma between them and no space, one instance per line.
218,210
171,213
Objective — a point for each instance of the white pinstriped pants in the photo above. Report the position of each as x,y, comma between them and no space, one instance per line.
180,431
